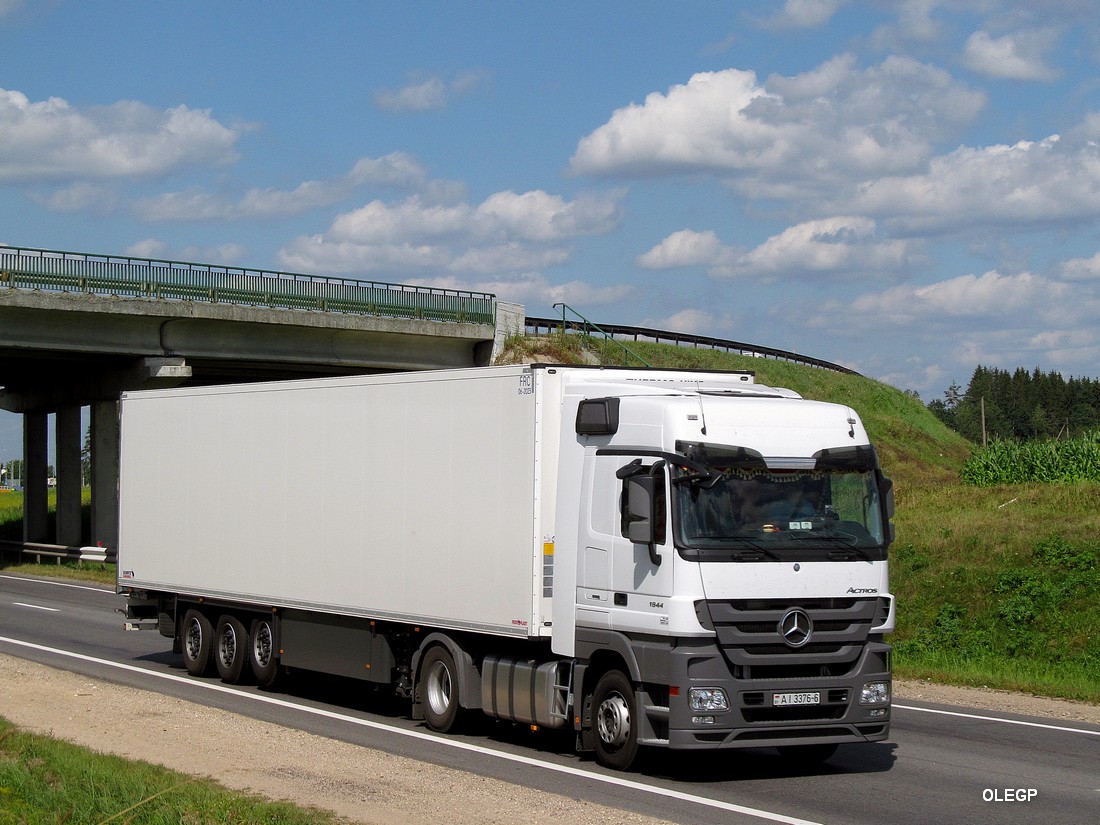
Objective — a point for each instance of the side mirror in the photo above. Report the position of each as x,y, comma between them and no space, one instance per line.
643,491
639,509
886,490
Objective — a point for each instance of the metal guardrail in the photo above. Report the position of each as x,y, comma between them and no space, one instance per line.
59,551
124,276
536,326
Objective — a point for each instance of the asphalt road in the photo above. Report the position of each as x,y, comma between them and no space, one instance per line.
941,764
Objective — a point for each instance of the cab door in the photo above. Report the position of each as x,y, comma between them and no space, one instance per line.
640,568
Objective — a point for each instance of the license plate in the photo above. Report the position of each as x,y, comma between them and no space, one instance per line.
795,699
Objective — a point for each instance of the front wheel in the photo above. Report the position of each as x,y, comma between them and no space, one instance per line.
615,721
439,689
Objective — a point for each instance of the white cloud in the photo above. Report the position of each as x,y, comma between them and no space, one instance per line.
540,216
915,23
51,140
695,321
229,254
508,232
791,136
843,246
1017,56
410,220
839,246
688,248
507,257
423,94
396,170
81,196
528,216
804,14
1082,269
992,295
533,288
1030,182
701,125
996,319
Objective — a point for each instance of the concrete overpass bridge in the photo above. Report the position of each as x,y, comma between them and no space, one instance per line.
76,330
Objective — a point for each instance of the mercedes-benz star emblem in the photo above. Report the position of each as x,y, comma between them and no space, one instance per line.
796,627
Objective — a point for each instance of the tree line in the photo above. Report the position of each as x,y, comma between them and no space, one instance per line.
1020,405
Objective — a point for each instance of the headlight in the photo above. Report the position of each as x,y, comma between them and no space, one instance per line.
708,699
875,693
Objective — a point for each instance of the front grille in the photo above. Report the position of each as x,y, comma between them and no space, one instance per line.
750,638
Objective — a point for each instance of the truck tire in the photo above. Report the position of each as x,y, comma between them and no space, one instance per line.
615,721
262,657
230,649
198,640
439,689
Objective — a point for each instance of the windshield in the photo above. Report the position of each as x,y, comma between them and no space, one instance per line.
745,512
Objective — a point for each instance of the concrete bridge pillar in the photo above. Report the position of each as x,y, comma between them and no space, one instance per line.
105,460
67,449
36,439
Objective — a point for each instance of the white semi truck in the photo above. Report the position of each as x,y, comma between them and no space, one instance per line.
665,558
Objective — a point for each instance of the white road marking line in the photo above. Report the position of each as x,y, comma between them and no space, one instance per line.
998,719
58,584
37,607
413,734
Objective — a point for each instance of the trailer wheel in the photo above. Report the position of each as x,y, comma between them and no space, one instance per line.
615,721
198,640
230,649
261,653
439,689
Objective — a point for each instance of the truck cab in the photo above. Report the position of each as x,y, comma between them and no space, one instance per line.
731,571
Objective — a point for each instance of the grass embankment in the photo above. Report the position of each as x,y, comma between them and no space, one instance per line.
996,586
43,780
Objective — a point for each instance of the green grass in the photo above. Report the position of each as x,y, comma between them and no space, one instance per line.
43,780
1011,462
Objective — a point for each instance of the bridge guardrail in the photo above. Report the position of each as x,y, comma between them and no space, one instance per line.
536,326
59,551
124,276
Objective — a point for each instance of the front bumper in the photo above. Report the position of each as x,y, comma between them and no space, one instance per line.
753,718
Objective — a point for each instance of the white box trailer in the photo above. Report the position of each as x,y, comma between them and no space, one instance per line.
558,546
413,498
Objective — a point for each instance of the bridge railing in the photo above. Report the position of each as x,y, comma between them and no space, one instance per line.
124,276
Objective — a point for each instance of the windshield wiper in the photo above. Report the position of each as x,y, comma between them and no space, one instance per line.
752,552
848,554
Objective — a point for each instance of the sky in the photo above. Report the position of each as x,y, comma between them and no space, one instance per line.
906,187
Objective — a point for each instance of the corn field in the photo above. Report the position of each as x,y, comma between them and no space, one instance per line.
1009,462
